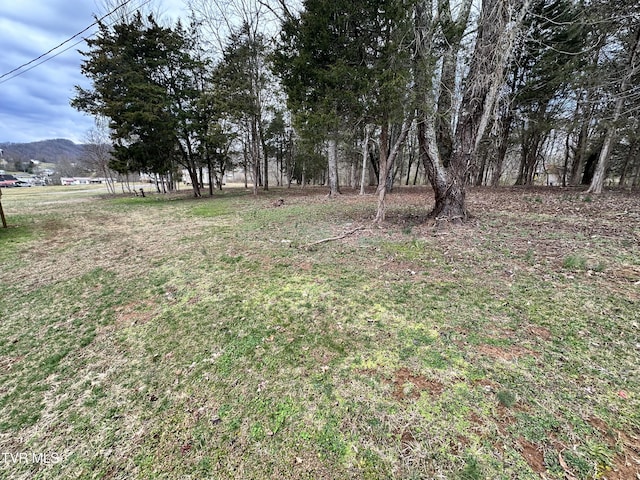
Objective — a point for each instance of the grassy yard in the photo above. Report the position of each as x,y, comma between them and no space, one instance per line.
169,337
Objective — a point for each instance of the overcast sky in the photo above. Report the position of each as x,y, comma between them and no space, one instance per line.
35,105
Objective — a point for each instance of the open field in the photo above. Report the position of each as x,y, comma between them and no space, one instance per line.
169,337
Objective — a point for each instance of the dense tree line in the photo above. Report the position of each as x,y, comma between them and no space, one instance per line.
449,92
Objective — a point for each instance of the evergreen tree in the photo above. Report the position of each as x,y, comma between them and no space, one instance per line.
145,82
343,63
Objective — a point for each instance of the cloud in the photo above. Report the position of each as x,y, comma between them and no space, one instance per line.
35,105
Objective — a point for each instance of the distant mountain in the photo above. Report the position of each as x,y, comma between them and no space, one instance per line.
50,151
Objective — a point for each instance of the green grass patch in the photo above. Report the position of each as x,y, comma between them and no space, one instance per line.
13,239
575,262
197,340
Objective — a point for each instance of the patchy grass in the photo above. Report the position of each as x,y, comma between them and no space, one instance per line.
170,337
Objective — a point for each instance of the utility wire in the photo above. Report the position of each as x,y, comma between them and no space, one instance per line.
39,63
63,43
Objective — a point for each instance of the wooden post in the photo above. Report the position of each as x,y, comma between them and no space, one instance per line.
4,220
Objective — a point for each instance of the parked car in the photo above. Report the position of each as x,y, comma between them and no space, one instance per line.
21,183
7,181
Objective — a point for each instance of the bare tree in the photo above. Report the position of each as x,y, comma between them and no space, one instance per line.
632,68
98,152
124,10
448,163
386,163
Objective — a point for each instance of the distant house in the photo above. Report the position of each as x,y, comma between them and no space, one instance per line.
80,180
550,175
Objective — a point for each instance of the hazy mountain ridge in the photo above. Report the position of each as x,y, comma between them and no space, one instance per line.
51,151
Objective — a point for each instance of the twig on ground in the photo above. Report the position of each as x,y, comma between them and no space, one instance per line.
330,239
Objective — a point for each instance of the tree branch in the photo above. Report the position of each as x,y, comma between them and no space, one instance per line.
330,239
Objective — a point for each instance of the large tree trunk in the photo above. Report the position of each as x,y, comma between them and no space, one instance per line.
599,174
498,26
334,187
448,183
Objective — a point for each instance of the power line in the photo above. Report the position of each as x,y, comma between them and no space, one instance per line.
61,44
39,63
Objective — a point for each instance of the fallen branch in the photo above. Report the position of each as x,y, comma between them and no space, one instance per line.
331,239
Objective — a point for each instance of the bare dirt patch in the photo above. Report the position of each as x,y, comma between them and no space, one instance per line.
626,465
407,439
409,386
135,313
533,455
540,332
406,384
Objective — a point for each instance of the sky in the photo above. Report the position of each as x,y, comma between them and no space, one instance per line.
35,105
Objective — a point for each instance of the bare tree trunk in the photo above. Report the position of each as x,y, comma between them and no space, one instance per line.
193,176
567,150
503,145
365,155
256,174
581,149
334,188
353,181
447,183
386,162
254,156
263,146
597,181
210,175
